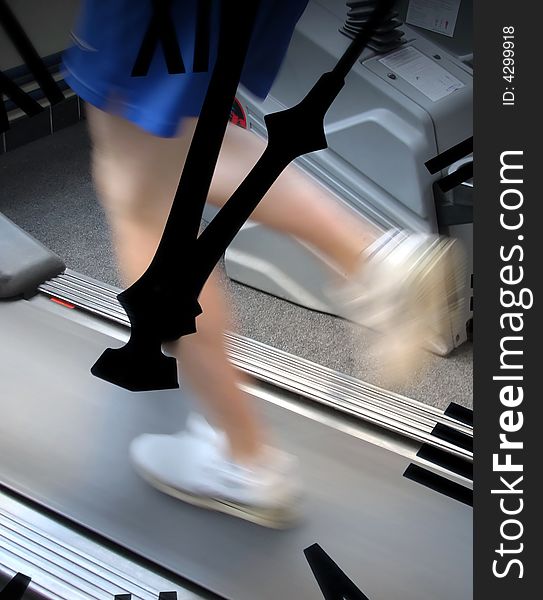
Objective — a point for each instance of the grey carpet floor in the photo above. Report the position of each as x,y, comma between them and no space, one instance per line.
46,188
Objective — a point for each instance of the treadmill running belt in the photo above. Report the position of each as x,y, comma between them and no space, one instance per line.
63,442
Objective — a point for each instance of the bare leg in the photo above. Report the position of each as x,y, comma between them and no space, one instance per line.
295,204
136,176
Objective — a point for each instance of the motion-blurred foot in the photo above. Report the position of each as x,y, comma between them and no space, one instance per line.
194,466
409,287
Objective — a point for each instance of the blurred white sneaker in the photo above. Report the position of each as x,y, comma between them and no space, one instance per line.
200,427
193,466
410,287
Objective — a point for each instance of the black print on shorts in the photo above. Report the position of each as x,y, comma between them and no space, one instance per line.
161,29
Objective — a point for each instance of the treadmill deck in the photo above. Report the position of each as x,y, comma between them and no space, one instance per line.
64,439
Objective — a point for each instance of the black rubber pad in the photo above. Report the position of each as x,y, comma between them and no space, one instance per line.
439,484
460,413
455,464
448,434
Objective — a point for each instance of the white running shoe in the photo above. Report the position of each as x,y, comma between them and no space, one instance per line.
410,287
193,466
200,427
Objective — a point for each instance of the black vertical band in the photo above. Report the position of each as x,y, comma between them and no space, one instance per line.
28,53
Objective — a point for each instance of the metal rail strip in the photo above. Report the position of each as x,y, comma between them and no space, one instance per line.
321,384
64,564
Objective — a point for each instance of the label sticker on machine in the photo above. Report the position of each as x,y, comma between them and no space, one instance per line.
421,72
435,15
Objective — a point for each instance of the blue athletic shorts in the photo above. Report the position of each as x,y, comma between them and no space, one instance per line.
107,38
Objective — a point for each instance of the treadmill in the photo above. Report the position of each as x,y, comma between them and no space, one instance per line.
388,480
